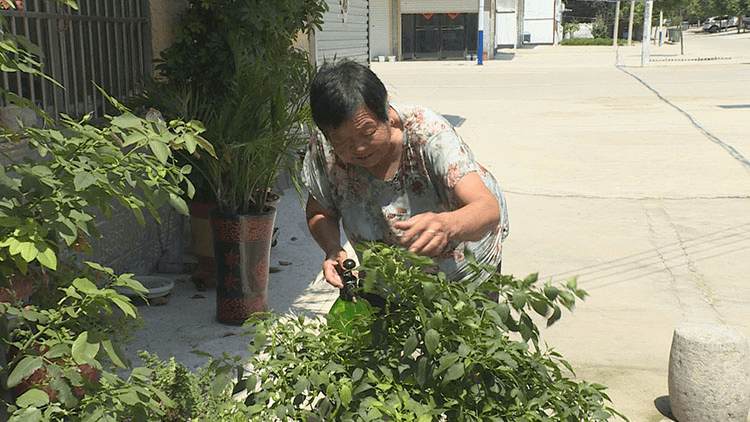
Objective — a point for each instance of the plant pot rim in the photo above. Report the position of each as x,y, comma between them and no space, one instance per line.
217,212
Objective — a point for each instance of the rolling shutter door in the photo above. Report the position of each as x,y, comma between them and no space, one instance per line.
344,33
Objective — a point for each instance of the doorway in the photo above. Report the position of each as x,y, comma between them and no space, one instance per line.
438,36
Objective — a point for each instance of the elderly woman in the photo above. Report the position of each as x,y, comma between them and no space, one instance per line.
396,174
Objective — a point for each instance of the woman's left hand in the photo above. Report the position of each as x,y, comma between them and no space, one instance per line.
425,234
430,233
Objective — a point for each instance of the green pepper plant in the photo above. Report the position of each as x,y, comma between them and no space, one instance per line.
438,350
60,346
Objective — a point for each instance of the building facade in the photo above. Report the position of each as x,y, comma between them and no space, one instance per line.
447,29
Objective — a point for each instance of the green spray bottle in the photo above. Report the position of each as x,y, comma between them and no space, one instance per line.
348,304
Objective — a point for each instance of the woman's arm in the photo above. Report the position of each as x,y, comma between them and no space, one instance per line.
324,227
429,233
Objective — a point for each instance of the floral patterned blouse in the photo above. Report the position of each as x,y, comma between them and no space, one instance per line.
433,160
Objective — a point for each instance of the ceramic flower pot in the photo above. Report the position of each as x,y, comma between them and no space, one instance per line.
242,246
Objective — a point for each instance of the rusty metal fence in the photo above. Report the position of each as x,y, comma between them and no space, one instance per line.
107,42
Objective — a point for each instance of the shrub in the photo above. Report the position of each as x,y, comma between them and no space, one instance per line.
195,396
599,30
591,41
438,350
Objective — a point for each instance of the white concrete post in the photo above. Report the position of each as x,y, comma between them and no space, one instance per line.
630,22
617,24
646,41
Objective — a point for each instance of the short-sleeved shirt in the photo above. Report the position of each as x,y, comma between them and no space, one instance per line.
433,160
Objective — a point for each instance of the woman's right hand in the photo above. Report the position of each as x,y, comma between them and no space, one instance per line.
333,267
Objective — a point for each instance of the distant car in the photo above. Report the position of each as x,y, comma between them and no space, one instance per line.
719,23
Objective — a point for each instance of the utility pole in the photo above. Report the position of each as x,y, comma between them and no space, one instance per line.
630,23
617,24
661,29
646,42
480,47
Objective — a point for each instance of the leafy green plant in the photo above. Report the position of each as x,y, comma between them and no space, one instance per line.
439,350
235,67
197,396
569,28
599,30
61,344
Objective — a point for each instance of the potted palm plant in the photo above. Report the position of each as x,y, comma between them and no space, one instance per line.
242,76
256,132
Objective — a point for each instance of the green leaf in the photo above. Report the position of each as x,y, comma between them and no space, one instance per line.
57,351
572,283
190,142
48,258
24,369
410,345
28,251
531,279
83,351
32,398
83,179
160,150
446,362
179,204
454,372
125,305
436,321
551,292
519,299
345,393
85,285
540,306
503,310
65,394
113,354
127,121
27,414
556,314
431,340
422,370
429,290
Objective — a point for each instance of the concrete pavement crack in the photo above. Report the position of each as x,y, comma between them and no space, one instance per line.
732,151
659,222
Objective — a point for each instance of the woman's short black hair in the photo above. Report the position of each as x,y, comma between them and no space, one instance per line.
338,90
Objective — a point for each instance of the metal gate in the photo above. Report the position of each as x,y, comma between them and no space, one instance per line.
106,42
438,36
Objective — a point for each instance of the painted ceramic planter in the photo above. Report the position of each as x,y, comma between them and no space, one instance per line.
242,246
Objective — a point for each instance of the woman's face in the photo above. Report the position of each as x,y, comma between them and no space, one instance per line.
362,139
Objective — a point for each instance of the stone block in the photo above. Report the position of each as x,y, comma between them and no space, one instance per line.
709,374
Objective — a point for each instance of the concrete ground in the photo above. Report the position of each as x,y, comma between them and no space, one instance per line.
634,179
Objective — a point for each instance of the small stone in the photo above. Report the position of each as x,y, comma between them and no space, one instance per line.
294,238
285,263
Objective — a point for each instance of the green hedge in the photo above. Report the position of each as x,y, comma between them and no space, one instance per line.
591,41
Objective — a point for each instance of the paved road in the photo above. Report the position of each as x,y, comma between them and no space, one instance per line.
635,179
